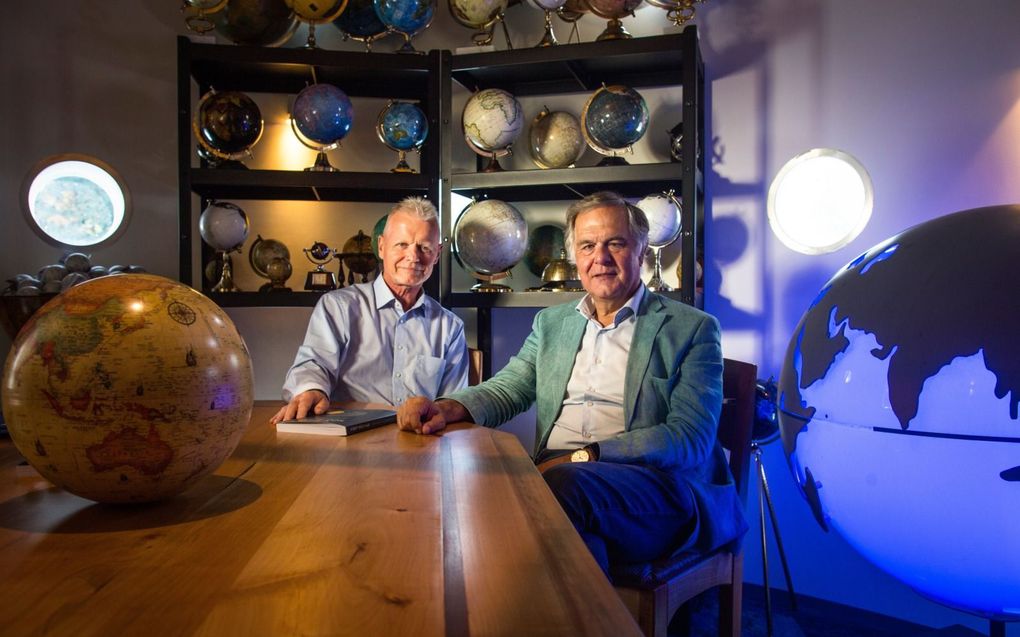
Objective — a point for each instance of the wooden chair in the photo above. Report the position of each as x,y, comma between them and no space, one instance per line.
675,580
475,362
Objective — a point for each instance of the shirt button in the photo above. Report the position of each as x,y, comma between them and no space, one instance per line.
586,434
397,374
588,403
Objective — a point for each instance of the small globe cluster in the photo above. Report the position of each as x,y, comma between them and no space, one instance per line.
72,269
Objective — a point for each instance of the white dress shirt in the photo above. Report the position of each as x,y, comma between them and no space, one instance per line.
593,407
362,346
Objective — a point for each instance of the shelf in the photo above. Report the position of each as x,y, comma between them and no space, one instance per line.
228,183
520,299
556,184
263,299
568,68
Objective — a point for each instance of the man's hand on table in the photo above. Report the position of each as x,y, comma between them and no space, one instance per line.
423,416
304,404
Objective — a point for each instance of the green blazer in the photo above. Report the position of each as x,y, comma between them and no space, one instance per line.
672,400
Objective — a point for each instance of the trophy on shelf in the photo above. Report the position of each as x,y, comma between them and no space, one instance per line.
320,279
664,225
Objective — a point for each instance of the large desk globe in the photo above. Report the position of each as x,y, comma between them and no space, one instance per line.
490,237
127,388
898,407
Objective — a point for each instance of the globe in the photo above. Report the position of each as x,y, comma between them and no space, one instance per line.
549,7
323,114
492,120
544,244
263,252
377,231
898,408
489,238
613,10
402,126
555,139
663,214
359,21
478,14
223,225
614,118
313,12
408,17
227,124
256,22
127,388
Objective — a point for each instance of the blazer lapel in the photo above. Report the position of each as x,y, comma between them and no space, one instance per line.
649,320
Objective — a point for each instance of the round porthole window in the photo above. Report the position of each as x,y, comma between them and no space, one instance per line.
75,201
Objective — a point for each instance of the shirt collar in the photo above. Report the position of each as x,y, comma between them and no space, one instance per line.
630,308
384,296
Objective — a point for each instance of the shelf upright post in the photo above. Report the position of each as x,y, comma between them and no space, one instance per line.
184,158
692,165
440,87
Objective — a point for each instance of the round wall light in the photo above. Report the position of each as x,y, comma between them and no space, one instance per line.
75,201
820,201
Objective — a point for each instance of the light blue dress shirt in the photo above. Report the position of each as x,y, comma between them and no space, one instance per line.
362,346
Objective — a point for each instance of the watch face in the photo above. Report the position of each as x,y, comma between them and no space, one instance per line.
581,455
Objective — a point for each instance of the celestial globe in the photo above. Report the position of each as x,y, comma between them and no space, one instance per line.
898,408
555,139
359,21
489,238
227,124
223,225
614,118
492,120
322,115
544,245
127,388
402,126
407,17
256,22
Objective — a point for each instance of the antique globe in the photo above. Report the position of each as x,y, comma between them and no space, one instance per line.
898,408
256,22
544,244
492,120
555,139
614,118
613,10
481,15
360,22
313,12
407,17
663,213
226,124
377,231
262,255
490,238
224,227
127,388
402,126
322,115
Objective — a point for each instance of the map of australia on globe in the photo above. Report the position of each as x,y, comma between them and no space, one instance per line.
898,405
127,388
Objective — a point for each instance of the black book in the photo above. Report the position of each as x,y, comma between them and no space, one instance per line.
339,422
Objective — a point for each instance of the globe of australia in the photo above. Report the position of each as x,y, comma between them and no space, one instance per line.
898,404
128,388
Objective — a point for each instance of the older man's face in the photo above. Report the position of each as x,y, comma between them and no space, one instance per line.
608,258
409,248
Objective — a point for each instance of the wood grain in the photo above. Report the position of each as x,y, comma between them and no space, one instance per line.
381,533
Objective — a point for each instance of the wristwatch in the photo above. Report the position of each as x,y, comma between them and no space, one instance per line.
586,454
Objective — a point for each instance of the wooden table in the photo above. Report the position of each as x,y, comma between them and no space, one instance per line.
382,533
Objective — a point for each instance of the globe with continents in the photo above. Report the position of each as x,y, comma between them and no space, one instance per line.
555,139
898,403
127,388
614,118
223,225
490,237
323,114
492,120
663,214
544,244
406,16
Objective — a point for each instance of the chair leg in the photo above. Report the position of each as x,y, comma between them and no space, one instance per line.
731,598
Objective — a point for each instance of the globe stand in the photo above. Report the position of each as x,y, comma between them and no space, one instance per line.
493,165
322,164
548,37
613,160
402,165
407,48
614,31
310,42
226,283
657,284
487,282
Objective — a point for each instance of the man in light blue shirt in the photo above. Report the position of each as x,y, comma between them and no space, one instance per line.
384,341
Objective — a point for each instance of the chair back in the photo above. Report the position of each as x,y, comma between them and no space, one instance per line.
736,421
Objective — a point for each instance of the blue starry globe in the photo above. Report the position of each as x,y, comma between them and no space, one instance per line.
323,114
359,21
614,118
402,126
408,17
898,408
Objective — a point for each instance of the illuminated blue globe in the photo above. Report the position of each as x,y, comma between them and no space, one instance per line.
402,126
898,406
406,16
323,114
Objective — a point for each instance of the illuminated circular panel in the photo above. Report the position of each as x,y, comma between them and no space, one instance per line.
75,201
820,201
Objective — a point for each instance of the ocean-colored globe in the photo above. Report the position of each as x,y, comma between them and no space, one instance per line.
360,21
127,388
223,225
477,14
227,124
490,237
406,16
256,22
544,244
663,214
492,120
555,139
323,114
614,118
402,126
898,404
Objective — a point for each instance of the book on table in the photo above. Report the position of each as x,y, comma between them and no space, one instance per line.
339,422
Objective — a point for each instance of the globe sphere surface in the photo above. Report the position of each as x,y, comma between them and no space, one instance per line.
898,405
549,5
490,236
402,126
405,16
127,388
663,214
360,21
256,22
611,9
323,114
492,119
555,139
544,244
477,14
614,118
227,123
223,225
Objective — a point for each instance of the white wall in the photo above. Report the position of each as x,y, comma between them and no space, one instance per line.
926,93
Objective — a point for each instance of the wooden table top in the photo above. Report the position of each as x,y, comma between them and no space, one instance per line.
382,533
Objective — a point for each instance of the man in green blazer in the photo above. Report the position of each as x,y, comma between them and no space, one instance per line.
628,388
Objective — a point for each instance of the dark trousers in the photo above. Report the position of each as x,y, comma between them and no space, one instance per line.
625,513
